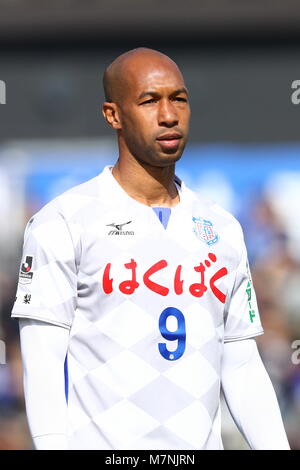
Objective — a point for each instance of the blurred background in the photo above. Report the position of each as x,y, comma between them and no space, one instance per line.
239,59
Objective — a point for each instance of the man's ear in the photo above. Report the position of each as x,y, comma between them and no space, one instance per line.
111,114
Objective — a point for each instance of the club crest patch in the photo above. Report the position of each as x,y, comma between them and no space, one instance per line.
203,230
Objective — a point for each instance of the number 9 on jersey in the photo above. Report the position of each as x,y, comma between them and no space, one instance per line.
178,335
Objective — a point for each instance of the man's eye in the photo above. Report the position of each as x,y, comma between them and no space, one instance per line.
179,98
152,100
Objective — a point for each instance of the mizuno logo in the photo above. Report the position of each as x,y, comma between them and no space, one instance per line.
118,229
118,226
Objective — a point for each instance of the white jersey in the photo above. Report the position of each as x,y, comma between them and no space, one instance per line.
148,309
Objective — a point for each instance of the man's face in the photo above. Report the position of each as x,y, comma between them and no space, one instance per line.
154,112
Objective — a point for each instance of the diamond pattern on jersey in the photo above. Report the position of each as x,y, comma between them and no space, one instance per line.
189,372
85,395
211,405
46,291
51,234
80,324
153,440
127,324
90,437
84,346
161,399
212,350
124,423
126,373
214,441
189,423
72,203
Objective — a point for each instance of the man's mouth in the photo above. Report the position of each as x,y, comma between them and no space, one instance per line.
169,140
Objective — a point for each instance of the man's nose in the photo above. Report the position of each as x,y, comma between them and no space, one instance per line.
167,114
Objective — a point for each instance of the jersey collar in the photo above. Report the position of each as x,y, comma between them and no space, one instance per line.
114,190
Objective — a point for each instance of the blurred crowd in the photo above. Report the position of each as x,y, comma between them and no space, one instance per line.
275,265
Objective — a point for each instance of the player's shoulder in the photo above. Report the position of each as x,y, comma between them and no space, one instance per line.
67,205
207,209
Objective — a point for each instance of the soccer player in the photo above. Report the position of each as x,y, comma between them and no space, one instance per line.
135,298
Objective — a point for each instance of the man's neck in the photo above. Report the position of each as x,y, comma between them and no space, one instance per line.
152,186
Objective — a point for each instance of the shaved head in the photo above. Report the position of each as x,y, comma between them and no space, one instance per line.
147,104
117,75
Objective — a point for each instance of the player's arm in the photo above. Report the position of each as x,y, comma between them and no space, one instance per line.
43,348
45,306
250,396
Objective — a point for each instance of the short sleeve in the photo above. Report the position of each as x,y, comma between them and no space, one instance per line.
47,286
242,318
